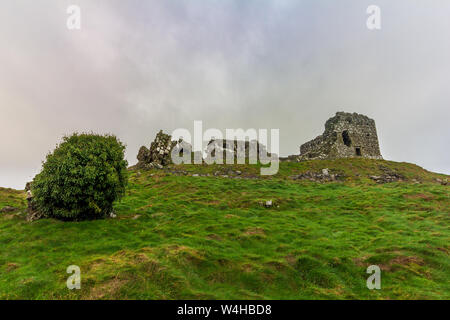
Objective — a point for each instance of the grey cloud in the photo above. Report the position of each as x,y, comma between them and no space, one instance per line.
140,66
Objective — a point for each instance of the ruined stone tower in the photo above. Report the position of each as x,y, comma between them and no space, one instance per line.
347,135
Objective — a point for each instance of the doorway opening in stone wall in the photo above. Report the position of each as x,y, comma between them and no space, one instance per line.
358,151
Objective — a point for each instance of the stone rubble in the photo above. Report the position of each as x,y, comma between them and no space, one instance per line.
8,209
388,176
323,176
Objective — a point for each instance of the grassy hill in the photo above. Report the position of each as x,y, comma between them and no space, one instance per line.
179,236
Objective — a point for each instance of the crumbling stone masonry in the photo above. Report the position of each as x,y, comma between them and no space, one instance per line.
347,135
233,149
158,154
33,212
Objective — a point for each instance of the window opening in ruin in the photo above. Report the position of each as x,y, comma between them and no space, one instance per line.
346,138
358,151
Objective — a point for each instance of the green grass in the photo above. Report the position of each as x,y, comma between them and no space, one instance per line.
184,237
11,197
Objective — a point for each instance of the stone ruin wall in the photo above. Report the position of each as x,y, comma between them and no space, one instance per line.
235,148
346,135
159,153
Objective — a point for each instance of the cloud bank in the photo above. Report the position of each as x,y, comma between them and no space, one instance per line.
136,67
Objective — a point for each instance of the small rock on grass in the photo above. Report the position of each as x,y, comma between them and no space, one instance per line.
268,204
8,209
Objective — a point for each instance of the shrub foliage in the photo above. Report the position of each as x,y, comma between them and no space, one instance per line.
82,178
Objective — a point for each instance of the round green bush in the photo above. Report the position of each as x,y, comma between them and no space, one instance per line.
82,178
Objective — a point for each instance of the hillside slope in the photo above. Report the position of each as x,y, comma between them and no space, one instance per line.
182,236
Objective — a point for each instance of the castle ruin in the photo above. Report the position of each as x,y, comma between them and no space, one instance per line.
347,135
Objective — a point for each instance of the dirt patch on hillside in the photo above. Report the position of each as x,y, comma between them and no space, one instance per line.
254,231
291,259
388,266
277,265
184,254
423,196
214,237
403,261
10,266
247,268
209,202
109,290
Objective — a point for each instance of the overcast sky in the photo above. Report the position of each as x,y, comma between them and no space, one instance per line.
136,67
